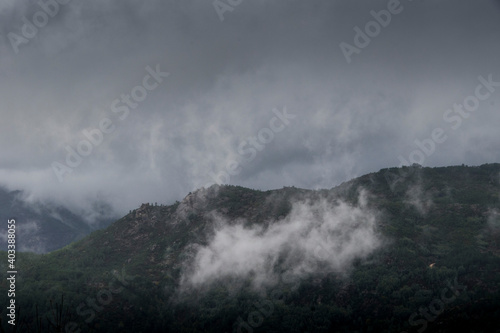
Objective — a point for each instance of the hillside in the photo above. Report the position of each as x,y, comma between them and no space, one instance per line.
43,227
403,249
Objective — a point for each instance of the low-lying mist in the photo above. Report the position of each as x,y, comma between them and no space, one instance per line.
320,236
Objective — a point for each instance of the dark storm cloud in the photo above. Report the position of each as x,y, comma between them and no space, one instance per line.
226,77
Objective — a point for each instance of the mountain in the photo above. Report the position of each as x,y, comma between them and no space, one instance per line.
42,227
409,249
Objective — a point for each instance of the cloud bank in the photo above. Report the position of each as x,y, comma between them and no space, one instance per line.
225,80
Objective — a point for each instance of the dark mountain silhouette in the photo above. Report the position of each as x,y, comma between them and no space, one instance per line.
404,249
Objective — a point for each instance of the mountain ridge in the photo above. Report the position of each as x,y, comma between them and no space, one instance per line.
42,227
361,261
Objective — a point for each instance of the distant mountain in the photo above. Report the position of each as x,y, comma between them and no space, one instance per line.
41,227
404,249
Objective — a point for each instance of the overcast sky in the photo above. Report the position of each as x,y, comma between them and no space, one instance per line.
278,93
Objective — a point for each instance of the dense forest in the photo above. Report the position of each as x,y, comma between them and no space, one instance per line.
435,269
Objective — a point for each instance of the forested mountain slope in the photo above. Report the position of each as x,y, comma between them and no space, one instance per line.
404,249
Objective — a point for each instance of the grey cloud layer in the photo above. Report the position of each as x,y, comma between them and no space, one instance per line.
226,78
